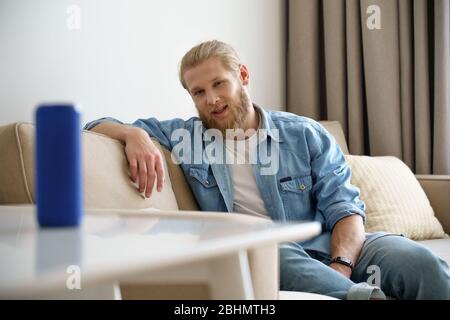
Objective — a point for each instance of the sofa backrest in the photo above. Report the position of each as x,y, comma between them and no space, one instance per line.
335,128
106,176
106,179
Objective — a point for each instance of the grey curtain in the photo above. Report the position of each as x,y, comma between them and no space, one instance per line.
384,74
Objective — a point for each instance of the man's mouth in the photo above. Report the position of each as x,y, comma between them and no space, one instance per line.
220,111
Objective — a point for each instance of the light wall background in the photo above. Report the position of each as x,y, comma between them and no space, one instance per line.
123,61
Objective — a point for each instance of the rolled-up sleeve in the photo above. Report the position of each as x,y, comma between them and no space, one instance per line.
336,197
160,130
92,124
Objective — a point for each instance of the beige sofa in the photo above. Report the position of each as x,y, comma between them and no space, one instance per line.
107,185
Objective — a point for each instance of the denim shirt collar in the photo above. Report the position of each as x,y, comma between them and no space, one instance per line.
267,123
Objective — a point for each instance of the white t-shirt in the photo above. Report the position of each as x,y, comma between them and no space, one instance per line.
247,198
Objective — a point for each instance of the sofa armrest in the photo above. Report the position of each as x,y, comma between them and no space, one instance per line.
437,189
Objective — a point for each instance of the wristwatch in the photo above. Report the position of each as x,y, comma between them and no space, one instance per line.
343,260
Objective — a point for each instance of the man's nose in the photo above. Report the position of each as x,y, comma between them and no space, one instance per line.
211,98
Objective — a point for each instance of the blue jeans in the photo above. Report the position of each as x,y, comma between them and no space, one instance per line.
404,269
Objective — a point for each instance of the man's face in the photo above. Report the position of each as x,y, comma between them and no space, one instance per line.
219,94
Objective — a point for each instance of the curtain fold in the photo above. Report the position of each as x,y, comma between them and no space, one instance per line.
335,61
422,79
379,67
441,155
357,111
407,80
382,80
303,43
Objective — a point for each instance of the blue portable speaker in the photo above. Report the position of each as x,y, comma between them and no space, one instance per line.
58,166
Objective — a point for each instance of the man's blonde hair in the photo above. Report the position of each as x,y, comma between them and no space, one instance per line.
206,50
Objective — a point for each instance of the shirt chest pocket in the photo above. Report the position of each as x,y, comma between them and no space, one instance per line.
297,196
299,185
203,176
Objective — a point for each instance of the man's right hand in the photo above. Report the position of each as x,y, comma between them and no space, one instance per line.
144,158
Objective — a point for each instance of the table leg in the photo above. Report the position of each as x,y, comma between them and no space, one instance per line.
230,277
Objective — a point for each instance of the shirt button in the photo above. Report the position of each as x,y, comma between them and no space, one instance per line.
207,182
302,187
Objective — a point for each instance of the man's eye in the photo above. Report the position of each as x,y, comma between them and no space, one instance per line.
218,83
197,93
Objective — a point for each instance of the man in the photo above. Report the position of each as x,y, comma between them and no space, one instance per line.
310,181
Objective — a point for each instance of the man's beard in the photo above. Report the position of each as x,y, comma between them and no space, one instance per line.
239,111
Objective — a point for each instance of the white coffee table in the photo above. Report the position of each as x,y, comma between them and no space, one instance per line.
132,245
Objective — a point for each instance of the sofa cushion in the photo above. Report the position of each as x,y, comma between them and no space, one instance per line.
16,163
395,201
439,246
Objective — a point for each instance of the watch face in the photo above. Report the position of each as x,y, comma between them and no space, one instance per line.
346,260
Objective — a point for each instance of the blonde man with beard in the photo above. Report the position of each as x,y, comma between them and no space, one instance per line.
310,181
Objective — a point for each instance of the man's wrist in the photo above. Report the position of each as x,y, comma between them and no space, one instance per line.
340,266
131,132
345,270
347,262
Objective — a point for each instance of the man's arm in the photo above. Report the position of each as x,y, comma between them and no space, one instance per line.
337,198
143,156
347,239
114,130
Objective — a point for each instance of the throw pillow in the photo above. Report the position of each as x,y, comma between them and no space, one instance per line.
395,201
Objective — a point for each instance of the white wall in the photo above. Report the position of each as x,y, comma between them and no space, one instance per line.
123,60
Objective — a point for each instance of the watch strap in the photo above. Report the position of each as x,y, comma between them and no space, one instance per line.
343,260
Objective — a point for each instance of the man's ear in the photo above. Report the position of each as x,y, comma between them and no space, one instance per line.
244,74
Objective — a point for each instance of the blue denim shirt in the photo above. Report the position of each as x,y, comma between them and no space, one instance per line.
312,182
